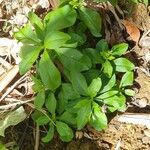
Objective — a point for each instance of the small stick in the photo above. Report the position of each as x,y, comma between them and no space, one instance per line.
118,145
119,10
12,87
6,107
4,63
37,138
135,118
111,8
9,77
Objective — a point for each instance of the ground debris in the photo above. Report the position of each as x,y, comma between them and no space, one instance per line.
128,135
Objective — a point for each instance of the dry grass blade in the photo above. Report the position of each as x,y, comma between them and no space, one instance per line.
12,87
4,63
37,138
9,76
112,9
134,118
13,105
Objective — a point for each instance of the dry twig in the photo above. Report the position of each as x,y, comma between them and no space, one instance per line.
37,138
9,76
12,87
13,105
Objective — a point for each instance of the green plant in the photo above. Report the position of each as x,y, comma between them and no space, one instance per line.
74,80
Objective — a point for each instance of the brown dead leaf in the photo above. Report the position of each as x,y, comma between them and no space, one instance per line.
132,30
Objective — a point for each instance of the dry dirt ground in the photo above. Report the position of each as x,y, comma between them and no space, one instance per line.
133,28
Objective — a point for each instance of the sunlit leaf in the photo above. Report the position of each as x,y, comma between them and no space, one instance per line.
29,55
48,72
65,132
50,134
60,18
92,20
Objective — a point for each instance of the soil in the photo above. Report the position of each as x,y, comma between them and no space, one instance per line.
124,136
118,135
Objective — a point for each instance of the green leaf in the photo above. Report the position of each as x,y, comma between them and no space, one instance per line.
12,119
86,61
49,134
92,20
36,114
65,132
107,83
63,2
39,100
73,59
70,45
98,119
146,2
50,103
91,74
93,55
68,118
38,85
108,69
81,28
29,56
49,73
34,19
42,120
117,101
84,113
69,57
119,49
102,45
103,48
37,24
127,79
94,87
129,92
79,83
107,94
123,65
113,2
27,35
55,39
67,93
76,38
2,146
60,18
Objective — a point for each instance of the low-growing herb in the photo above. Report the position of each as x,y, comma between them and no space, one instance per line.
76,84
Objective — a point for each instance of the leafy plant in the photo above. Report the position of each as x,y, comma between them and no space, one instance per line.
73,80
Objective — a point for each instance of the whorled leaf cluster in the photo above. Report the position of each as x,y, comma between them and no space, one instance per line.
76,83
